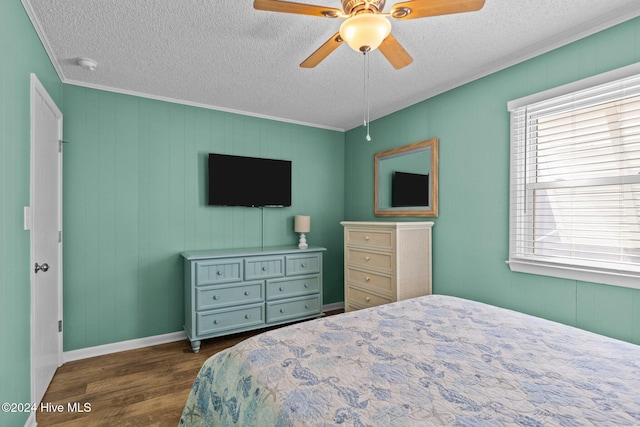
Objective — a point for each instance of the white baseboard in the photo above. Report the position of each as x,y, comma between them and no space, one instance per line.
333,306
31,421
101,350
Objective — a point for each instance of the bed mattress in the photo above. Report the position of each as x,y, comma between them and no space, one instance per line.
433,360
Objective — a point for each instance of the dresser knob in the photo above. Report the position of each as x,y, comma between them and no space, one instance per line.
281,310
367,278
366,238
306,285
306,306
302,265
215,297
368,299
281,289
246,316
264,268
367,258
215,322
219,273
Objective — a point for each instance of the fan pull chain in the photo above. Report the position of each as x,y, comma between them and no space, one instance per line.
366,94
364,89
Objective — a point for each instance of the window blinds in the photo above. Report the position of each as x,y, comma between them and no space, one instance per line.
575,179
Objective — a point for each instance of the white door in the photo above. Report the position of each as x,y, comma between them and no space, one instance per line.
46,233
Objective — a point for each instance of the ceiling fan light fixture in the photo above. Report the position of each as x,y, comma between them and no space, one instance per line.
366,31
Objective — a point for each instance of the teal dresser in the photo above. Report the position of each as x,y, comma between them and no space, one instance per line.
229,291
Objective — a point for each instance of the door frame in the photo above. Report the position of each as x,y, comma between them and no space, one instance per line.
36,88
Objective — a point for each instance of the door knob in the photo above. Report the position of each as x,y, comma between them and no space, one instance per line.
44,267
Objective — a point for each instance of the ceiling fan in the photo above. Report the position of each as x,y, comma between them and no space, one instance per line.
366,26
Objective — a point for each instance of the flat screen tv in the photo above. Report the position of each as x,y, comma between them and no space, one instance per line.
248,181
409,189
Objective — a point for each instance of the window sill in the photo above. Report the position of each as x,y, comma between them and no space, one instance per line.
627,279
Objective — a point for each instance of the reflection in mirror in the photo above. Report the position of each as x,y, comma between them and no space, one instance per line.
406,180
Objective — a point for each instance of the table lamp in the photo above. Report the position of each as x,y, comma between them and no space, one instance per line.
302,225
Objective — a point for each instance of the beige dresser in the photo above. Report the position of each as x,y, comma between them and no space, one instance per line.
385,262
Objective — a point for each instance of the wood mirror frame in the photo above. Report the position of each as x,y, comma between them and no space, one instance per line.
431,146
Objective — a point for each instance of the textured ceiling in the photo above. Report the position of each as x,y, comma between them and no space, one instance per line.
223,54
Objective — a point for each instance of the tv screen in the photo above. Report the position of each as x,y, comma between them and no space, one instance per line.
409,189
248,181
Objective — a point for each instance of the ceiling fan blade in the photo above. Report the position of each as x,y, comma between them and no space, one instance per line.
395,53
299,8
323,51
423,8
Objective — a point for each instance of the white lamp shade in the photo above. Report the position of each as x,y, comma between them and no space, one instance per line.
365,30
302,224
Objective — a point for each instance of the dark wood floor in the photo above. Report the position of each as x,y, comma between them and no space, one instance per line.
143,387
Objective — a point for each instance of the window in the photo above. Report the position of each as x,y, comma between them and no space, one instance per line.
575,181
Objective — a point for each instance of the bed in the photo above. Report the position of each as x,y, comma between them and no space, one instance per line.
434,360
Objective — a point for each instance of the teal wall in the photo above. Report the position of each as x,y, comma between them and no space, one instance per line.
22,53
134,198
470,236
134,173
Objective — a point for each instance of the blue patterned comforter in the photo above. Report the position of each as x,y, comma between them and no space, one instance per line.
433,360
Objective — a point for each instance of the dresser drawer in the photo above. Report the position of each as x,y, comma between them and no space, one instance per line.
212,297
210,322
287,309
303,264
365,299
285,288
263,267
380,239
369,280
210,272
363,258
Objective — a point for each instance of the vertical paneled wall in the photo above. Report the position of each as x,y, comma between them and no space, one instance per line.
470,237
22,54
135,197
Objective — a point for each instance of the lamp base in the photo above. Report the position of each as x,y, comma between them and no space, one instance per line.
302,244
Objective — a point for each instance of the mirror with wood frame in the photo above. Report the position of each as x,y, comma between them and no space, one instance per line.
406,180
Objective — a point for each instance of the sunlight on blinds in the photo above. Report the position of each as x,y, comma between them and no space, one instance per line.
583,215
576,178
